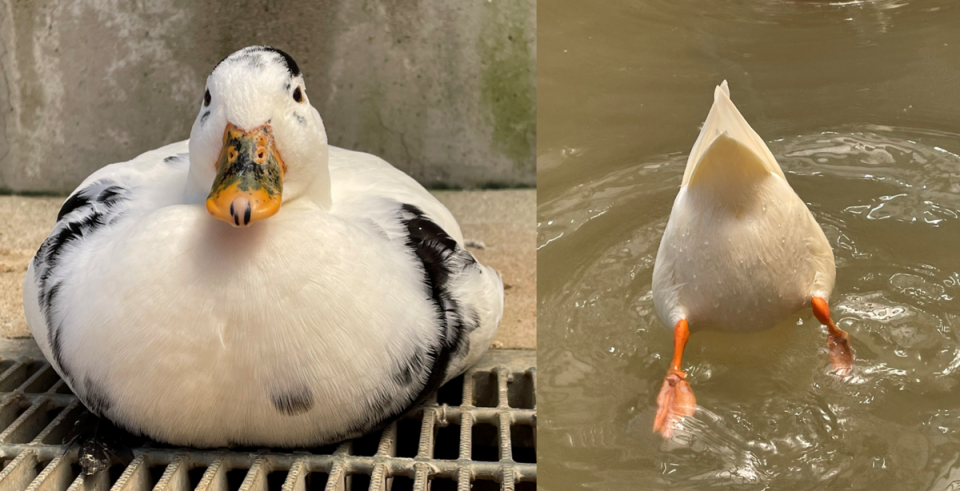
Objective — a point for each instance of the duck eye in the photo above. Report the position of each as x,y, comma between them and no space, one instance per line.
206,98
298,95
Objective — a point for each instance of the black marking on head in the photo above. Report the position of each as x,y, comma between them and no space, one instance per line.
95,397
203,118
247,54
292,66
221,62
246,215
300,119
294,402
250,56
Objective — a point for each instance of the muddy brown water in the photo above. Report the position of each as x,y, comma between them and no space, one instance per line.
860,103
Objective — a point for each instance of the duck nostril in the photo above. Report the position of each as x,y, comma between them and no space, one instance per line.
241,210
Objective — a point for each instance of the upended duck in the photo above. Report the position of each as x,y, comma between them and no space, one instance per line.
255,285
741,252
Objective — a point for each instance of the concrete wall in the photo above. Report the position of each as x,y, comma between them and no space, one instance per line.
443,89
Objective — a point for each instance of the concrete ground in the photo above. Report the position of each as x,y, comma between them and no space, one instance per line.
497,225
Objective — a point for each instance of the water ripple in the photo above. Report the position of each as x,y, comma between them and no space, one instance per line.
771,415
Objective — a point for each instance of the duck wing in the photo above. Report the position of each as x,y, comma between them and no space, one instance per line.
468,295
110,195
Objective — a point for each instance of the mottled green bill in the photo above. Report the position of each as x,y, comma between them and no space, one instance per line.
249,182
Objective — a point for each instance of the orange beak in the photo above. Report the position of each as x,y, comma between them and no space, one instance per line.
249,181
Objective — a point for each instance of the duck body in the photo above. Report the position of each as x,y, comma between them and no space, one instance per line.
324,322
741,252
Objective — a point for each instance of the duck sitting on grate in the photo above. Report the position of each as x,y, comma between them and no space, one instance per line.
254,285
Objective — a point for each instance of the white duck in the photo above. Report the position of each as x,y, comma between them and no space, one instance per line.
740,252
328,293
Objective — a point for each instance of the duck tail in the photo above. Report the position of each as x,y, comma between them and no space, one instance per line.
480,291
728,145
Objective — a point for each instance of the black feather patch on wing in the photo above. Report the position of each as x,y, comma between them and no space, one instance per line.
423,370
95,397
180,156
111,195
72,203
293,402
441,257
81,215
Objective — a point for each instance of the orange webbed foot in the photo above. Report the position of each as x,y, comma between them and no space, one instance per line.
841,355
675,401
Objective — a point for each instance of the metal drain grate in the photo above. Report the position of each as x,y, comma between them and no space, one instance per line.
478,432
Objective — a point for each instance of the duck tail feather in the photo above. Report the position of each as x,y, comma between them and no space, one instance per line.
724,122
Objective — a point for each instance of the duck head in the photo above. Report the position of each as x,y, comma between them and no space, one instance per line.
257,144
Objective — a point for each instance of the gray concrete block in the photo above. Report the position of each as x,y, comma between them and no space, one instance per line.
444,90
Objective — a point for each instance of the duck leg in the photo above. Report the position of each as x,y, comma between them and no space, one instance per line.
676,398
841,355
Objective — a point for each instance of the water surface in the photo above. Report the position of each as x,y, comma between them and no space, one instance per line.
858,101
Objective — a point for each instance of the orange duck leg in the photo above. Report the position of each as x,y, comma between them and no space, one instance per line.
841,355
676,398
